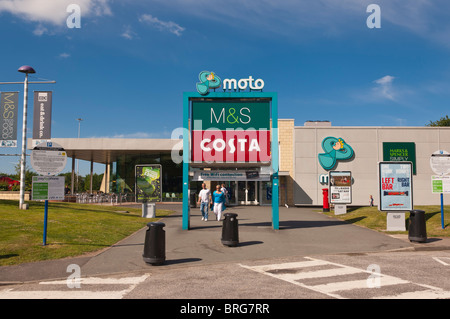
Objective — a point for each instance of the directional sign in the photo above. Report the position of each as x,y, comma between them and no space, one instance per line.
440,162
48,159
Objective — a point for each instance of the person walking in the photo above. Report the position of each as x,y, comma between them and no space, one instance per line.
204,197
219,200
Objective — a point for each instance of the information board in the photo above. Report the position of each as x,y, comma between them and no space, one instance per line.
340,187
440,184
395,185
48,158
47,188
440,162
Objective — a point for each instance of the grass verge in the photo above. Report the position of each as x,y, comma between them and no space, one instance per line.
372,218
72,229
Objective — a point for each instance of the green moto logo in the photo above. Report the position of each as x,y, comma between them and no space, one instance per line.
208,80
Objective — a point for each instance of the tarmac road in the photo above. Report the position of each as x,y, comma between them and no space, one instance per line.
198,265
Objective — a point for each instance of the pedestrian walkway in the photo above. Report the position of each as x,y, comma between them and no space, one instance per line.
303,232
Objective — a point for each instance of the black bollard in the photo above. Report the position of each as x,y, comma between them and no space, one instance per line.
417,229
155,244
230,231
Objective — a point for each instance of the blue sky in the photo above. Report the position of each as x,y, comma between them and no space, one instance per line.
124,71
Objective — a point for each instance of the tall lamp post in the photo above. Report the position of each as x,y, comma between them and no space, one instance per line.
27,70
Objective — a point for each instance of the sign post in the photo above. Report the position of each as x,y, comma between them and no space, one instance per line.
48,159
396,192
440,165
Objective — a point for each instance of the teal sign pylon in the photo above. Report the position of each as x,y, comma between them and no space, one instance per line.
187,98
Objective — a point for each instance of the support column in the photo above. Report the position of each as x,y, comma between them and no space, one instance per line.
92,170
73,175
275,164
186,152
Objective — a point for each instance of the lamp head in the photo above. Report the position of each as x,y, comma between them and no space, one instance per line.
26,69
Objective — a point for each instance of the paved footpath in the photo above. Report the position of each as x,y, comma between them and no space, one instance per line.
303,232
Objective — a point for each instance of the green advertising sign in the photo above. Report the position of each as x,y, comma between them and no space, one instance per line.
400,152
148,183
224,114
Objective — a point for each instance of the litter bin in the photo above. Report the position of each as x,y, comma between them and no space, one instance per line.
230,232
155,244
148,210
417,229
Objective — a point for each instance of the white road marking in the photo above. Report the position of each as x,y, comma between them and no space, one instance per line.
295,272
439,260
78,293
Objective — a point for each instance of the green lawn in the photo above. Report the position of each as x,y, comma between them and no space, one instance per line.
372,218
72,229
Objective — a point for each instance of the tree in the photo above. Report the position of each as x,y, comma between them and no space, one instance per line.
443,121
28,176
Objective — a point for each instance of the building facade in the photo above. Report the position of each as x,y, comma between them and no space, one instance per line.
305,160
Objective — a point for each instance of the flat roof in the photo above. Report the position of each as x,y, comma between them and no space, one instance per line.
107,150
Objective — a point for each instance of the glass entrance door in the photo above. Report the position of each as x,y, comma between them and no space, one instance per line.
248,193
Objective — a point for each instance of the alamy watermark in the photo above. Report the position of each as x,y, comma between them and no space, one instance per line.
374,280
74,280
374,19
74,19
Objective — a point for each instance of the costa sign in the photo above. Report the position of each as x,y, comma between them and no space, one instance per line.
227,131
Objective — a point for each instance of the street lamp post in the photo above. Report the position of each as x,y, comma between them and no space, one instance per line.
27,70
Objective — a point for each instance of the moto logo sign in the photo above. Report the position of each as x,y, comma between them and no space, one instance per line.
210,80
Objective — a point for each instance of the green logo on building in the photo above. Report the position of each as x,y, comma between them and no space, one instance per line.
208,80
335,150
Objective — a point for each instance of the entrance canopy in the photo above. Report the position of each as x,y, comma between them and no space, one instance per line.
107,150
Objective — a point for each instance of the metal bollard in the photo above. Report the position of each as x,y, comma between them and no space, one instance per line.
155,244
230,231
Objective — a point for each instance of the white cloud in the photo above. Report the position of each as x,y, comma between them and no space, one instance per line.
52,11
156,135
40,30
128,33
64,55
169,26
384,88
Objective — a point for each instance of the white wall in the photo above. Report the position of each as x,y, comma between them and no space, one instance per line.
367,143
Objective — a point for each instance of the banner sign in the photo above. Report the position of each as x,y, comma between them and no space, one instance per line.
228,131
148,183
48,188
395,184
400,152
8,119
42,116
340,187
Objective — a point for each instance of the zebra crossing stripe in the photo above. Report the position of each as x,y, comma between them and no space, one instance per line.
295,272
358,284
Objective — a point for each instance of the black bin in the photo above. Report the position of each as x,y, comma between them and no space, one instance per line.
230,231
417,226
193,200
155,244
